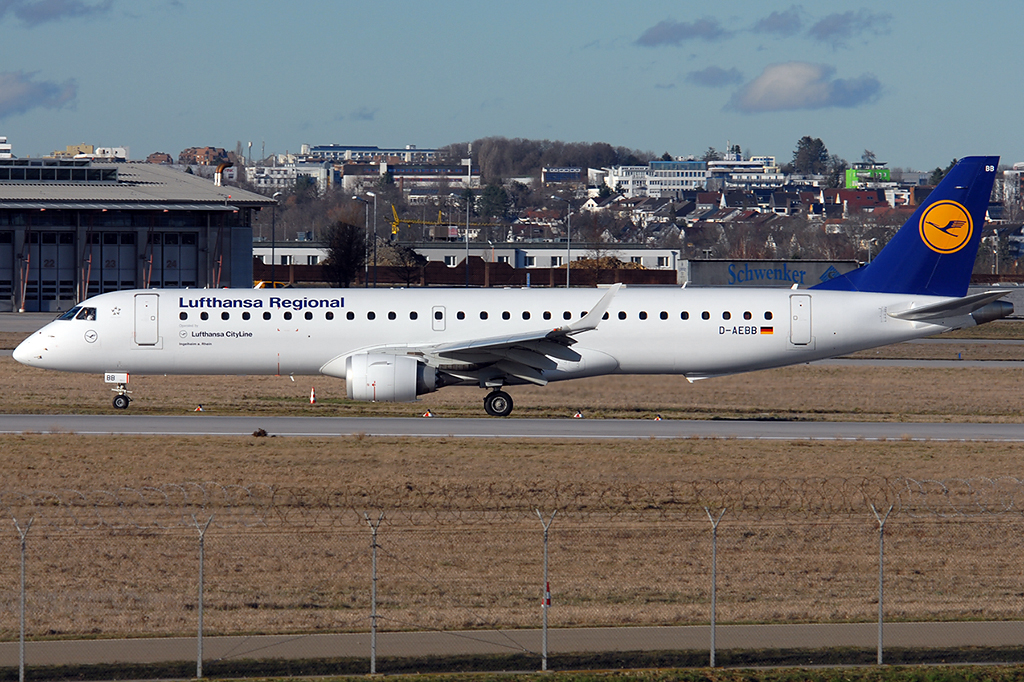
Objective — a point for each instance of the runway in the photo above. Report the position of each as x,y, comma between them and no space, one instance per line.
203,424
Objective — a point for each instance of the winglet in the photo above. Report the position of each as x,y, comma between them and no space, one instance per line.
592,318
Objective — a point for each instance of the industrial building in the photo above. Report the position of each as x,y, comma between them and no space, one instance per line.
73,228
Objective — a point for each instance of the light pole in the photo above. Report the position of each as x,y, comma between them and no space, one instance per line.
568,237
366,242
273,241
371,194
468,201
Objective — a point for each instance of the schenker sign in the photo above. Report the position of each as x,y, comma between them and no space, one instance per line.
762,273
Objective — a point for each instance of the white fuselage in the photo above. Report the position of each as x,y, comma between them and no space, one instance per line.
647,330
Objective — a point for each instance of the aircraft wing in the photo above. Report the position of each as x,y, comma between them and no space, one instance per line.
526,355
523,356
951,308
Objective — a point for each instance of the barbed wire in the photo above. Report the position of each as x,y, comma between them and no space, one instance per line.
179,505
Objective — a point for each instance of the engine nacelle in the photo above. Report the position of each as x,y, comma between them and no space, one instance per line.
379,377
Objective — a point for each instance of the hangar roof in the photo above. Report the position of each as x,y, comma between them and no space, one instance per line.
138,186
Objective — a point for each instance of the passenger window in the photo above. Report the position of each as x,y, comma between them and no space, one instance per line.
329,315
622,314
768,315
726,315
664,315
392,315
438,315
246,315
566,315
309,315
547,315
505,315
350,315
204,315
684,315
225,315
182,316
371,315
643,314
483,314
461,315
705,315
747,315
287,315
266,315
526,314
413,315
605,316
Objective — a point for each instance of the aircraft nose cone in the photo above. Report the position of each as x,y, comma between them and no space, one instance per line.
26,351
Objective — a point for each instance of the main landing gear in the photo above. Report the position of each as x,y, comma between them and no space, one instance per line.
122,398
498,404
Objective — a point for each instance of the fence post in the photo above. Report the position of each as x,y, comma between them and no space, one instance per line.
21,605
714,575
546,601
881,564
202,562
373,589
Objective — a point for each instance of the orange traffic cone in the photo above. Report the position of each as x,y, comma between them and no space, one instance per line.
199,408
428,413
312,396
578,415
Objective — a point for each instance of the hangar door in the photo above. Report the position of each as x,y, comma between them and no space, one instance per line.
110,261
49,271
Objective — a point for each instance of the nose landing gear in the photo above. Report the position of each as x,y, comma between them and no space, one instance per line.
122,398
497,403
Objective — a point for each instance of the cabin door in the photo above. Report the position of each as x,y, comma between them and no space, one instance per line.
800,320
147,319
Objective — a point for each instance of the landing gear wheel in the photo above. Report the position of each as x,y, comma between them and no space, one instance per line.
498,404
121,402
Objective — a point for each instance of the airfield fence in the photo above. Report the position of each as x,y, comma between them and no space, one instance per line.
452,559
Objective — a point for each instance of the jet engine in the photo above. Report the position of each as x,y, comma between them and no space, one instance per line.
379,377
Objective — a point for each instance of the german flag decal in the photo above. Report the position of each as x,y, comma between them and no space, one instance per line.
767,330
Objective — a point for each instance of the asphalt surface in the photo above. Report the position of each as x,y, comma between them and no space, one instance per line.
199,424
576,640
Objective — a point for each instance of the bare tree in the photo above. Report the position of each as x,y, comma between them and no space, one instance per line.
346,253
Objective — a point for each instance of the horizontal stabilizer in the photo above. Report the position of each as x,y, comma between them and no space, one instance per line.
951,308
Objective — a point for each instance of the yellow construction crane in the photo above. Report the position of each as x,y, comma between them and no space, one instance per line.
396,221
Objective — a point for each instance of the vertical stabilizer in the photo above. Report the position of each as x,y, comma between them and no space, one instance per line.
933,253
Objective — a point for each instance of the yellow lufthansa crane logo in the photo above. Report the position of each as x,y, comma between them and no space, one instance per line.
946,227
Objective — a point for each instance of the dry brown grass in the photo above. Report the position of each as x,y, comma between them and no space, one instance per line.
819,392
446,562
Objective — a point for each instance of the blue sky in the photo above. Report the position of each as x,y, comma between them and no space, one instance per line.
916,82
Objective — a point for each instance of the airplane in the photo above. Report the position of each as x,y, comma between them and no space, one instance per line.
397,344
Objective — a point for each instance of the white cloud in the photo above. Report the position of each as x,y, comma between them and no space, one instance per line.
19,93
801,85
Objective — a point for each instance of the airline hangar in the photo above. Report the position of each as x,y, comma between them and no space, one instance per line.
73,228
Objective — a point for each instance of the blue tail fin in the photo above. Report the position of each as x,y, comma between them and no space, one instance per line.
933,253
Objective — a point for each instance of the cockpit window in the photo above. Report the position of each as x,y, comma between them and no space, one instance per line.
86,314
70,315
